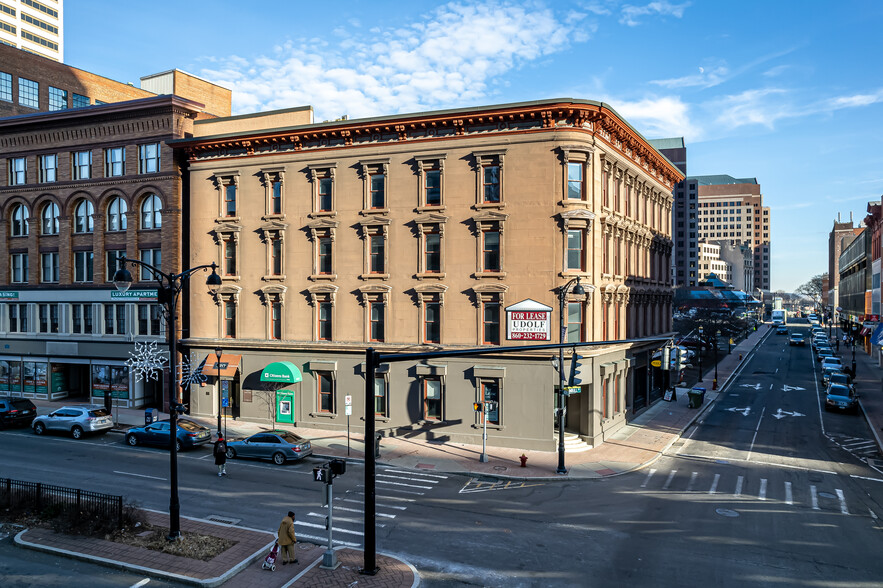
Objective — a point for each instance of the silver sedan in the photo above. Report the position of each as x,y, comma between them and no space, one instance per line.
279,446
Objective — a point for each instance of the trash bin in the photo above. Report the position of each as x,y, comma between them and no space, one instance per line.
696,396
150,416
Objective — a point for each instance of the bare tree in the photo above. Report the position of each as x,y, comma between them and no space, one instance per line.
814,288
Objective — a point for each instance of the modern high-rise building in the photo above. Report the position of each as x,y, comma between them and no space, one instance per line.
34,26
684,215
731,210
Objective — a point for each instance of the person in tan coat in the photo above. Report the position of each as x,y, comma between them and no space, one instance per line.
287,539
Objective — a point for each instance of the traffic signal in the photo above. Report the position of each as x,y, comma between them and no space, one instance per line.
477,406
666,358
320,475
338,466
579,372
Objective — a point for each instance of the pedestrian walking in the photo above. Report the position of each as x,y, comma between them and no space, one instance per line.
220,453
287,539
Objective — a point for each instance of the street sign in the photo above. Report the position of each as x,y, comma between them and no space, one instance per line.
572,390
529,320
348,400
348,410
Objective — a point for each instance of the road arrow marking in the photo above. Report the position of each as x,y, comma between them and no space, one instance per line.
755,386
787,388
780,414
744,411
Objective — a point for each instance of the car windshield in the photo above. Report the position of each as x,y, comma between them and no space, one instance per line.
99,412
291,438
189,426
840,378
22,404
838,390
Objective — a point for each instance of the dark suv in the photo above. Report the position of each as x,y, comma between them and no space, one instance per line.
16,412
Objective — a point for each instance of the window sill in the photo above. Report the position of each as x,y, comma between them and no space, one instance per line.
374,277
424,422
492,205
272,217
377,419
227,219
373,211
490,275
489,426
324,415
322,213
430,275
572,202
323,277
274,278
439,208
575,274
227,278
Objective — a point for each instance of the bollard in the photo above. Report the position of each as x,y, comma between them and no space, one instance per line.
740,357
523,459
714,384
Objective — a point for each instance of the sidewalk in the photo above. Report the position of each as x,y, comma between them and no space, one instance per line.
869,385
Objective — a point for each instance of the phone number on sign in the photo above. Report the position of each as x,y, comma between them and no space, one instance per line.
529,337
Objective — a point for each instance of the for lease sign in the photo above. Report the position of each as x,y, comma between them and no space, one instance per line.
528,320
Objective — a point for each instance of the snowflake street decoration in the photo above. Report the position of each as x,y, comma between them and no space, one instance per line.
146,361
192,375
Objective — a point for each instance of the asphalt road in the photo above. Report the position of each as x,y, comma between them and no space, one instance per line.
765,490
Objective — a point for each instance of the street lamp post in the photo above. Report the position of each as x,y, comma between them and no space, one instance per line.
716,343
170,286
562,299
854,333
701,347
218,364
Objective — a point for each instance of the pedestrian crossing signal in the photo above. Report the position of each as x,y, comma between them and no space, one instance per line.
320,474
476,406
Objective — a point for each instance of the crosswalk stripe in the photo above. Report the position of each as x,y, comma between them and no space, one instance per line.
647,479
336,530
858,444
403,484
739,486
762,494
843,508
815,497
324,540
417,474
409,479
692,480
340,519
713,488
789,498
394,490
670,478
379,505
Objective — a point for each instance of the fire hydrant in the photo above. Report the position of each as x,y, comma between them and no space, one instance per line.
740,357
714,384
523,459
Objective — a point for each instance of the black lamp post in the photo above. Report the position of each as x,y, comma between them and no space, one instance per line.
854,337
716,342
170,286
701,348
218,364
562,299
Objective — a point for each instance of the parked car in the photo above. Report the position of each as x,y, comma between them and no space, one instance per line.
76,420
842,378
16,412
796,339
829,361
190,434
824,349
840,397
280,446
781,330
828,372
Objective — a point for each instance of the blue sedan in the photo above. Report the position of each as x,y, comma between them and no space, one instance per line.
190,434
840,397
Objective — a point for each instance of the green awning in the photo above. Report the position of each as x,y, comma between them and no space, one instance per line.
283,372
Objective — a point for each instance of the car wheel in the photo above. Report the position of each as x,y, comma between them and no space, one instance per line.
231,453
278,458
178,445
132,440
39,428
77,432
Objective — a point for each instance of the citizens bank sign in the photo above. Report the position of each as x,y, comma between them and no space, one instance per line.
528,320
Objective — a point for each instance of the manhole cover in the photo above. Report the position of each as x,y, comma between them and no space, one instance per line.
500,468
726,512
826,495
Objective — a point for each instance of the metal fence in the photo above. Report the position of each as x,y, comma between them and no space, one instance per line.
15,494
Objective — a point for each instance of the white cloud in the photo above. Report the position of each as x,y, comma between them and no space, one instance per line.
704,79
856,100
454,56
631,14
667,116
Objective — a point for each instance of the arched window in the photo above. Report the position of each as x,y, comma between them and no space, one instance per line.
83,217
151,218
49,219
116,215
20,220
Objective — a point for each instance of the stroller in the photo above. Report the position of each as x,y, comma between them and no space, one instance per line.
270,560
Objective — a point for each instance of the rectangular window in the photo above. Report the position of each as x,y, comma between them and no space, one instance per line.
324,323
574,322
276,256
57,98
48,168
83,266
18,318
605,192
81,165
325,386
432,322
432,399
380,397
432,187
575,181
377,321
41,7
229,256
114,162
377,244
276,320
111,264
576,255
148,158
491,322
229,319
79,101
81,319
490,245
326,201
49,267
28,93
149,319
19,263
276,198
115,319
378,191
5,86
490,175
325,259
490,393
230,199
432,252
152,257
48,318
17,171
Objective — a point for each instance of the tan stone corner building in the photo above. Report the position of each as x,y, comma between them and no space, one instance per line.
415,232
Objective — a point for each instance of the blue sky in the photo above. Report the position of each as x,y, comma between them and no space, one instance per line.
787,91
